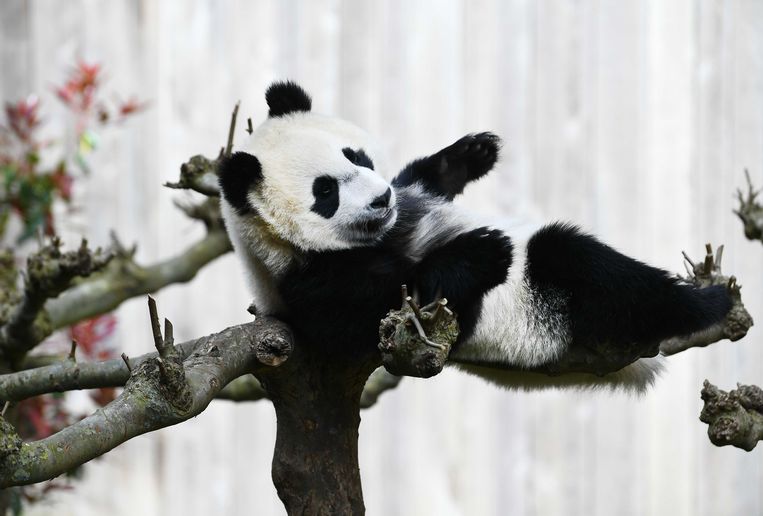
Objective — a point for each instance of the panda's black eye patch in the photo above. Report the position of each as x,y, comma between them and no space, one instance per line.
326,194
358,157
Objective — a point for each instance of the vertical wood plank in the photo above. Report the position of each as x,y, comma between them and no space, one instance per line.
633,119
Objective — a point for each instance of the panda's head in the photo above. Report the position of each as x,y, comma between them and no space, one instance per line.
311,180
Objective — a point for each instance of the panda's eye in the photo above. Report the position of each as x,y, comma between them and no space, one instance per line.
325,187
358,157
326,194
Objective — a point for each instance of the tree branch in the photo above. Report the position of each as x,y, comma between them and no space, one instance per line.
248,388
735,418
53,298
379,382
67,375
243,388
160,392
198,174
124,279
416,341
750,212
738,321
49,273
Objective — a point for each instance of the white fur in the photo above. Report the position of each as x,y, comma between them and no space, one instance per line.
262,262
295,149
441,223
514,329
635,378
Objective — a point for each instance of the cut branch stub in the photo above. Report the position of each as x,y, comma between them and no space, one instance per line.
416,341
750,211
170,362
49,272
738,321
275,341
207,211
735,418
199,174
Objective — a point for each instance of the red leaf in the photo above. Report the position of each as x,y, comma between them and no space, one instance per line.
23,117
63,181
90,335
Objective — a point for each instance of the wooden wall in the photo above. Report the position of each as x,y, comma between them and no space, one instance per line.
633,118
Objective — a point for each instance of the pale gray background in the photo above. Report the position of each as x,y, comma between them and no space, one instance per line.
635,119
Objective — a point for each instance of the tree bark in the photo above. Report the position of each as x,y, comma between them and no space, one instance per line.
317,403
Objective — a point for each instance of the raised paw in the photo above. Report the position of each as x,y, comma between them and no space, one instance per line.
468,159
490,253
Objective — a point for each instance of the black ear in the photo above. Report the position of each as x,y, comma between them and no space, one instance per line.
286,97
239,173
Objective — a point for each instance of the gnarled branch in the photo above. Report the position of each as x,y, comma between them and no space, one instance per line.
734,418
162,390
415,341
125,279
49,273
750,211
68,375
198,174
738,321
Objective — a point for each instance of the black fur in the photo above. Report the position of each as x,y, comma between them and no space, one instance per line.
447,172
326,193
613,299
338,298
358,157
286,97
239,173
463,271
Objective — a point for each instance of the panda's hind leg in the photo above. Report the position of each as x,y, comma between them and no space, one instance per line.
614,299
447,172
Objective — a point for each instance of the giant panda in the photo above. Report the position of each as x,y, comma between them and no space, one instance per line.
327,243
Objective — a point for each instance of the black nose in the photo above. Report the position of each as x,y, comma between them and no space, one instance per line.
383,200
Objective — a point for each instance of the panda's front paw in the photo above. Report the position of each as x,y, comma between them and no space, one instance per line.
465,269
470,158
490,254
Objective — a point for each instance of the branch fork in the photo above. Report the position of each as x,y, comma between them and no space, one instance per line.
24,321
750,211
416,341
738,321
169,362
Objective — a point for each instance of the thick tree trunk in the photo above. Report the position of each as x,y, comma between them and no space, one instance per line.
317,402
